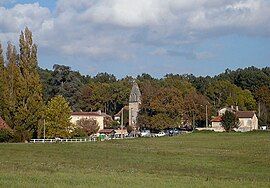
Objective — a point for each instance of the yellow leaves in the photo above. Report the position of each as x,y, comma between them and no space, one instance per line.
57,116
168,100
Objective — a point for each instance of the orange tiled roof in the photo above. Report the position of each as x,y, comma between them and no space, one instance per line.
217,119
86,113
106,131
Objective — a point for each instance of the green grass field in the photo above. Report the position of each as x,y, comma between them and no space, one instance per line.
191,160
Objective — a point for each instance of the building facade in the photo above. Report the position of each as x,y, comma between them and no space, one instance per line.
98,116
248,120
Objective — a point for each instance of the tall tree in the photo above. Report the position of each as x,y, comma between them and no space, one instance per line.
29,90
104,78
195,108
223,93
2,68
11,87
229,121
263,98
66,83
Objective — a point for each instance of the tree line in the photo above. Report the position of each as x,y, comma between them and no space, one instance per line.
30,95
173,100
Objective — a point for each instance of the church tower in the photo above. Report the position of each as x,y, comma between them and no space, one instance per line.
134,105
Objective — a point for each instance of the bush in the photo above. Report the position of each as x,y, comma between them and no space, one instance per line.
6,135
90,126
79,133
114,125
21,135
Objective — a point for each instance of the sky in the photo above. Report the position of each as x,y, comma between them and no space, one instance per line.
123,37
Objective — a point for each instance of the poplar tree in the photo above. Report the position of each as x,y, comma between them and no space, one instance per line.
1,79
29,89
11,74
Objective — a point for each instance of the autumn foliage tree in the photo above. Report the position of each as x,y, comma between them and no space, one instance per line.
57,118
30,101
169,103
2,77
263,98
90,126
21,101
223,93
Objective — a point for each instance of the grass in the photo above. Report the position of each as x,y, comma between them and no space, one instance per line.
192,160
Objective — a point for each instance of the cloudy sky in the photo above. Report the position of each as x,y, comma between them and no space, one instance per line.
124,37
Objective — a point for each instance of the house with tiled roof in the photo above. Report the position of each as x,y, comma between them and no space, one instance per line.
216,124
98,116
248,120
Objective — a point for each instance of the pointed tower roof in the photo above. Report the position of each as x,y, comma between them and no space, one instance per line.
135,95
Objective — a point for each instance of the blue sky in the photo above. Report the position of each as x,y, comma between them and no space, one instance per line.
132,37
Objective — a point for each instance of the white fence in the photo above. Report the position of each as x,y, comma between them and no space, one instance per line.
63,140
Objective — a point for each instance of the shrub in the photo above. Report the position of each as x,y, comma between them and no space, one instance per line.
114,125
90,126
21,135
79,133
6,135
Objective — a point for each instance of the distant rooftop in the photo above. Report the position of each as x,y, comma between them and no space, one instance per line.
244,114
98,113
217,119
86,114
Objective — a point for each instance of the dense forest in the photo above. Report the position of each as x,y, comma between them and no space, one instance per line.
31,96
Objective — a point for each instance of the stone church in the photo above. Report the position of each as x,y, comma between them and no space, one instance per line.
134,104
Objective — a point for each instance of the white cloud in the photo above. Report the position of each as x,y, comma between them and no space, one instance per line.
15,19
120,28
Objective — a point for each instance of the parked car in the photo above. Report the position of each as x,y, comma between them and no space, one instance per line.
172,132
186,128
176,131
160,134
145,133
134,134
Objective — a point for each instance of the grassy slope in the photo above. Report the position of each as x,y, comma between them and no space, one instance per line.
199,159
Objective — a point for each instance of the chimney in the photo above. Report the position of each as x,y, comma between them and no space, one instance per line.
99,112
236,108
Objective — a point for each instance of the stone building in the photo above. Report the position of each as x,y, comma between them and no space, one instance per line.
248,120
98,116
134,104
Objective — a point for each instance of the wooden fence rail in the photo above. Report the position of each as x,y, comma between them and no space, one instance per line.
63,140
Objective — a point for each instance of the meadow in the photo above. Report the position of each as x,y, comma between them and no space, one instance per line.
190,160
